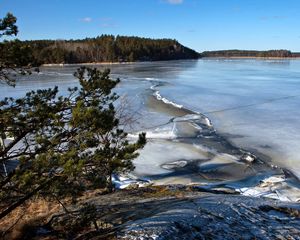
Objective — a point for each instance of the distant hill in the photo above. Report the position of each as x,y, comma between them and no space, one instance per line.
108,48
250,53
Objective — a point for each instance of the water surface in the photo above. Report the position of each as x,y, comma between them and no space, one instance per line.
202,117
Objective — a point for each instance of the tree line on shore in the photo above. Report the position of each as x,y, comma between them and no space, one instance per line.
109,48
251,53
105,48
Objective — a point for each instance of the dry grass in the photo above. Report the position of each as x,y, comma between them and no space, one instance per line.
35,212
32,213
38,211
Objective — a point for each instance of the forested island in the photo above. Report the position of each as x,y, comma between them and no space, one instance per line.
251,54
109,48
105,48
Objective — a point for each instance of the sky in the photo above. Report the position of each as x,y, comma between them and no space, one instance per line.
199,24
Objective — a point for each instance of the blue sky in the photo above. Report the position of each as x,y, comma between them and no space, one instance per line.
199,24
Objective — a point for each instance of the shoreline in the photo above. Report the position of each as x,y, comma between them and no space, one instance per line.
80,64
124,63
263,58
220,163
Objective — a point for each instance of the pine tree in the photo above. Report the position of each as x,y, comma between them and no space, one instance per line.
16,57
64,145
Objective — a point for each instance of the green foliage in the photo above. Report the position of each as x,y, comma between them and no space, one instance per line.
16,57
8,25
65,145
107,48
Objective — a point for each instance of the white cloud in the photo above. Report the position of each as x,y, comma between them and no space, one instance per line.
175,1
86,19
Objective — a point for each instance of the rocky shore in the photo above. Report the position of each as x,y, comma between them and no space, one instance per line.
181,212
